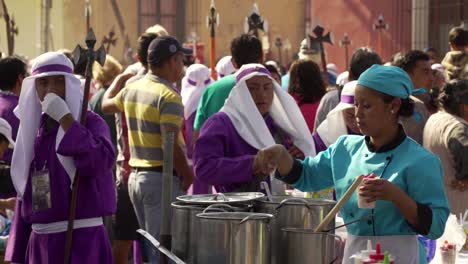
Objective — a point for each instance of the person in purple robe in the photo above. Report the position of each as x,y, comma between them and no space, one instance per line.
339,122
12,72
257,113
51,146
197,77
6,143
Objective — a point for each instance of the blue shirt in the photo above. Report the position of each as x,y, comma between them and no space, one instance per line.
409,166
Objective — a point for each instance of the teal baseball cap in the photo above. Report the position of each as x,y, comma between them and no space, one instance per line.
389,80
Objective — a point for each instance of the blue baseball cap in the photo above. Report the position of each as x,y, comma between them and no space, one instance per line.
162,48
389,80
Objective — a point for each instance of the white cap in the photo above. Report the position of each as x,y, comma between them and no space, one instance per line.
5,130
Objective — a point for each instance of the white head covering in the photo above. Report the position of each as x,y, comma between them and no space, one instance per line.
29,113
225,67
331,68
343,78
250,124
334,126
5,130
438,67
197,77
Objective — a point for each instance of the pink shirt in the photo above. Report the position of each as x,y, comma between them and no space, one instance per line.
308,111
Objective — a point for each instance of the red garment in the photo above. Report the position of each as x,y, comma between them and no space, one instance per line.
308,110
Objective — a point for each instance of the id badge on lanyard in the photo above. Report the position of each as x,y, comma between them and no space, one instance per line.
41,190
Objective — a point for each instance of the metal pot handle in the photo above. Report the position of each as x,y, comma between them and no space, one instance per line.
216,197
254,217
341,248
288,200
219,208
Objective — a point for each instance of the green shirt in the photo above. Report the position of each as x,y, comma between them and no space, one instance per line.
213,99
96,105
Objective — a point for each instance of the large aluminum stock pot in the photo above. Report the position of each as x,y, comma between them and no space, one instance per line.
306,246
292,212
185,222
233,238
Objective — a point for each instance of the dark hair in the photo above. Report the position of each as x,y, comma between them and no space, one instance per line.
3,139
458,36
11,68
246,49
410,59
362,59
272,69
305,79
406,108
142,47
452,95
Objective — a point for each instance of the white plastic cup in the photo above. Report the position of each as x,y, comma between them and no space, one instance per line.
362,200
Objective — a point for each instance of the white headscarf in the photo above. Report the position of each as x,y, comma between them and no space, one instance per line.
5,130
343,78
197,77
334,125
225,67
331,68
29,113
250,124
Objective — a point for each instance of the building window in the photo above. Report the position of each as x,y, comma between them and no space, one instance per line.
168,13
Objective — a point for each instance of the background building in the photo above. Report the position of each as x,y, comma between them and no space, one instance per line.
412,24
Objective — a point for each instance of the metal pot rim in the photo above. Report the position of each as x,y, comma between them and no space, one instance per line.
310,201
234,216
188,206
302,231
229,198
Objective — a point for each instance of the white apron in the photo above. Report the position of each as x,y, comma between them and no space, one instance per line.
405,249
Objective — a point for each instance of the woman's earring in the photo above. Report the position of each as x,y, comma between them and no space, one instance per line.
392,111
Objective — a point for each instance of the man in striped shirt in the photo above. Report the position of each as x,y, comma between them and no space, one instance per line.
153,106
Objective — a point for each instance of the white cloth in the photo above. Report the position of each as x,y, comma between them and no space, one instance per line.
250,124
342,78
225,67
5,130
29,113
197,77
405,249
331,68
334,126
58,227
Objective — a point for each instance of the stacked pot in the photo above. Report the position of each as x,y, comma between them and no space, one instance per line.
244,228
220,228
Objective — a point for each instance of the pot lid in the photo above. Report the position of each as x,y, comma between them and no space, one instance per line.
221,198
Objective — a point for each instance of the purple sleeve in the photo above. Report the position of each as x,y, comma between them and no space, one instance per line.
319,145
90,146
19,237
211,164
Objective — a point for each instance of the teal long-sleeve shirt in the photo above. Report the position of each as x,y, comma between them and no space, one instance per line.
408,165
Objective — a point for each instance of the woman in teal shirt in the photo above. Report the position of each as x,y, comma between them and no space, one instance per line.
408,189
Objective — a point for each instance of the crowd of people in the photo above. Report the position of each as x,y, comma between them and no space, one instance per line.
405,121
